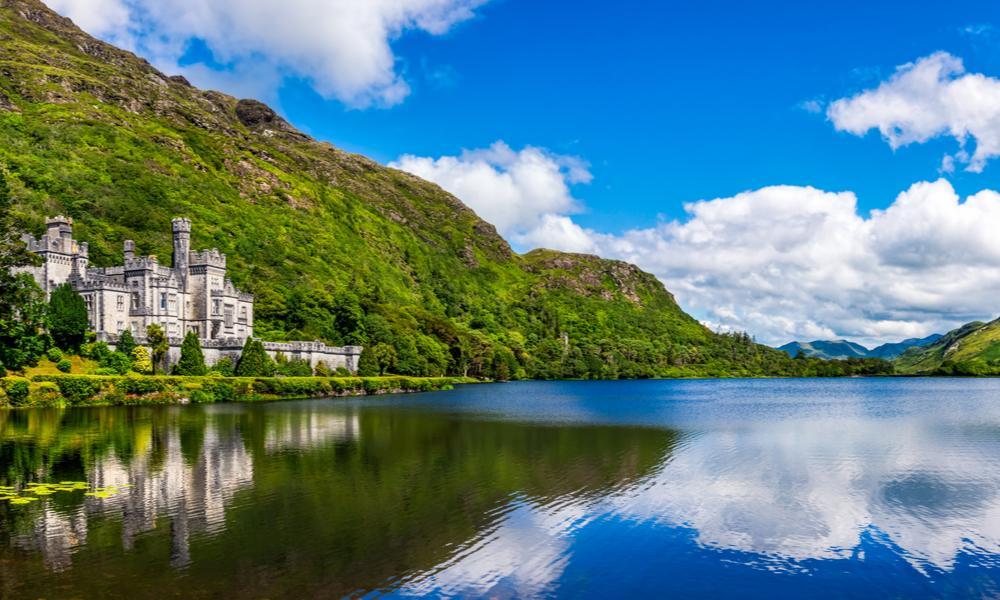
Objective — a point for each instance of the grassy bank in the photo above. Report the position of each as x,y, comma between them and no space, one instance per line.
97,390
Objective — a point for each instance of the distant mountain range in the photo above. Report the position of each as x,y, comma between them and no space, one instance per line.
840,349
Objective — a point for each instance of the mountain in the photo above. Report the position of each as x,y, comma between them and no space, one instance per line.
841,349
891,351
836,349
334,245
972,349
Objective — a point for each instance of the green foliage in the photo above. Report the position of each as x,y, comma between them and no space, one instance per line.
67,316
192,361
54,354
22,320
367,363
17,391
95,351
118,362
254,361
158,346
292,368
322,370
96,390
64,365
224,367
141,363
126,343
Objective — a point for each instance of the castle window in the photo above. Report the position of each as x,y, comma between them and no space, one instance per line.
229,316
216,307
121,326
135,300
243,314
163,300
121,304
89,301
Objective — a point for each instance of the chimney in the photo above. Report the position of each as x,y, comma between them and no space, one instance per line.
129,250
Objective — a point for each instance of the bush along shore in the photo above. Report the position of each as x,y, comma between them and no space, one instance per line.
102,390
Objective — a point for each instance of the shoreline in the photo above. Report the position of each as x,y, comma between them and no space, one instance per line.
47,391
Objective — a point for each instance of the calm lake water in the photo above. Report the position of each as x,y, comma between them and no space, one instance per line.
783,488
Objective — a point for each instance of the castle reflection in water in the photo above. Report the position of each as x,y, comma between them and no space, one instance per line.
190,495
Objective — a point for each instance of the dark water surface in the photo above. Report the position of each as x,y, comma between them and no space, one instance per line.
784,488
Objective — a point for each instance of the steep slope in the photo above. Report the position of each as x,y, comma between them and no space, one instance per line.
334,246
972,349
836,349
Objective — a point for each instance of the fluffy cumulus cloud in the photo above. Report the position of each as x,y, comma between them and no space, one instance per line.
343,47
931,97
789,262
524,193
782,262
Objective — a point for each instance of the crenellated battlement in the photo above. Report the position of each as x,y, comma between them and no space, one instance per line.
210,258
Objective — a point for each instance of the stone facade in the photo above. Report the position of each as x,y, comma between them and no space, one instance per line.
193,294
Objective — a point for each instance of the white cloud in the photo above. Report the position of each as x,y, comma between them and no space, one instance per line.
782,262
525,193
343,47
931,97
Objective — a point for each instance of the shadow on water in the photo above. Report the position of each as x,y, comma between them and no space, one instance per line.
319,498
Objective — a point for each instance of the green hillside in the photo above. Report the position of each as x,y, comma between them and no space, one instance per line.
335,246
973,349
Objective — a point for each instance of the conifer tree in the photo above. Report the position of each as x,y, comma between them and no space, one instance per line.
367,363
126,343
254,361
192,361
68,321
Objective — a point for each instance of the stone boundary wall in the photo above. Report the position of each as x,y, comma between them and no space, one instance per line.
215,350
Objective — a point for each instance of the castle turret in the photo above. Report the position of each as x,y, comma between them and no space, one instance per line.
182,248
129,250
59,227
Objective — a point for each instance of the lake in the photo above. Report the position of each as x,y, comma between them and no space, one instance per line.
752,488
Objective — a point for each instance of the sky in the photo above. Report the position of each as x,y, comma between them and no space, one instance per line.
795,170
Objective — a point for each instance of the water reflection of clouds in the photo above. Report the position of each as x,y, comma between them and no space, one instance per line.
786,492
806,490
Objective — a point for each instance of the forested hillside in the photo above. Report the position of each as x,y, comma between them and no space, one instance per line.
334,246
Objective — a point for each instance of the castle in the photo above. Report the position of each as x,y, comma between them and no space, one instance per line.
193,294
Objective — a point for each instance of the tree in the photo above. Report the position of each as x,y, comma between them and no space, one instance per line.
117,361
158,345
192,361
22,321
141,362
126,343
254,361
367,363
385,357
68,320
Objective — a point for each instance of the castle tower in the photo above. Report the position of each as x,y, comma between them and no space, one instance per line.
182,248
129,250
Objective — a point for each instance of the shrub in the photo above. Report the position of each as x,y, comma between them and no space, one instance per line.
126,343
322,370
105,371
117,362
54,354
343,372
95,351
64,365
140,360
17,392
224,367
3,370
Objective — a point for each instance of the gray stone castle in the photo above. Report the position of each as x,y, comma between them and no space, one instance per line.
192,294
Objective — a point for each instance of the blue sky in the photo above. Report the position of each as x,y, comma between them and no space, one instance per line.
845,151
669,102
